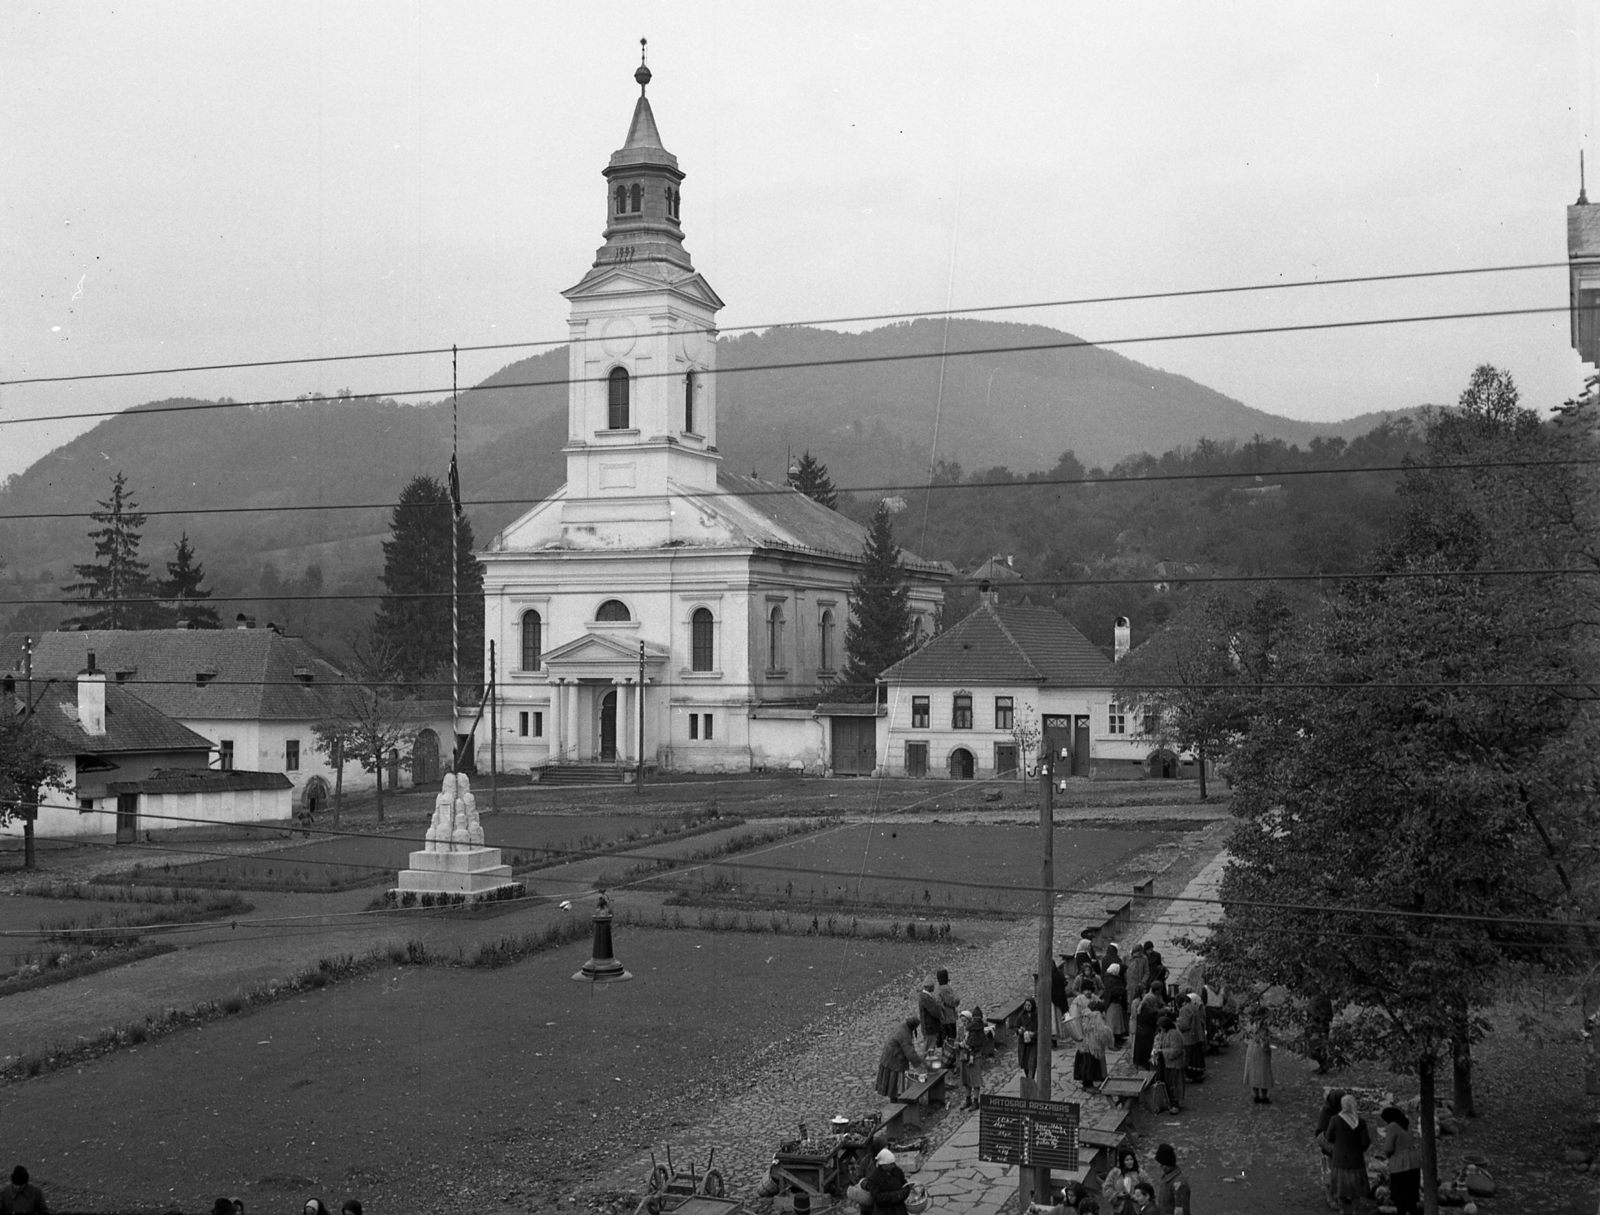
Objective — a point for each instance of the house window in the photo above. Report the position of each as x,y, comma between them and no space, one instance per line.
1004,717
694,726
702,637
1150,722
916,759
1116,719
225,755
612,611
961,711
532,640
775,638
688,402
291,755
523,724
86,803
617,418
919,712
825,630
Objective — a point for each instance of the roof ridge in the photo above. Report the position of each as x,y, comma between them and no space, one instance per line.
994,612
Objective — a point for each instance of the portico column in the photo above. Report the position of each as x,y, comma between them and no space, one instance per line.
558,710
629,692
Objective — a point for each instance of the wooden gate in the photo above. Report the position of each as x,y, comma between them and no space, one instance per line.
127,818
855,746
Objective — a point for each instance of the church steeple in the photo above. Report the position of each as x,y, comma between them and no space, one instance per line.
642,195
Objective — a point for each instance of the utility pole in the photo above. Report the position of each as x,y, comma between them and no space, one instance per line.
29,813
494,734
640,698
1033,1184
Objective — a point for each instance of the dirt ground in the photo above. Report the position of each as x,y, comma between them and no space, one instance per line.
425,1089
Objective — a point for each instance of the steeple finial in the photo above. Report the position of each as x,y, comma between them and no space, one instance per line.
643,74
1583,193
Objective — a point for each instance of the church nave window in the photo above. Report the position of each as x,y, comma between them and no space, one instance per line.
775,638
617,414
688,402
612,611
702,640
532,640
825,633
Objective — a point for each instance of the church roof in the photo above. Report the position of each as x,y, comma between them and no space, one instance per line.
1005,644
643,144
203,674
777,516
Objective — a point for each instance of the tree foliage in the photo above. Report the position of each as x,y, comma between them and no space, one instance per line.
117,579
413,621
26,769
1415,789
879,633
811,478
369,722
183,589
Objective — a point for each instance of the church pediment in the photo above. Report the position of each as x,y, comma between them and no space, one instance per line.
603,650
627,280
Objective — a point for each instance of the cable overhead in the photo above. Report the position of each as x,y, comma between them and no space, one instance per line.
1025,482
857,360
423,351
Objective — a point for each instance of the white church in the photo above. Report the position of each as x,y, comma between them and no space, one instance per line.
657,608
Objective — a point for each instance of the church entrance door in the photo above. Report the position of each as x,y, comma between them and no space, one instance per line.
608,728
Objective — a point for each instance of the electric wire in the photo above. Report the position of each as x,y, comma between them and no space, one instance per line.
1071,343
423,351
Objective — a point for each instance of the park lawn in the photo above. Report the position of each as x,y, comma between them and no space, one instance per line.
344,861
427,1088
932,868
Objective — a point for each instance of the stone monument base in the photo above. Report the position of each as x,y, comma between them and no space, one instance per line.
469,871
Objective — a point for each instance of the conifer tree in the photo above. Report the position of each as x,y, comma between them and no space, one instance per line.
879,632
811,478
109,586
414,618
182,588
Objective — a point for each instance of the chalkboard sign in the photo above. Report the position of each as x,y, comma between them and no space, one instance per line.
1034,1134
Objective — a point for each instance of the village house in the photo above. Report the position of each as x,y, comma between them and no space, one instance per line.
658,609
127,766
991,693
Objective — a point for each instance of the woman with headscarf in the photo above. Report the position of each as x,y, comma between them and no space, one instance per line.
887,1186
1089,1064
1192,1025
1026,1022
1115,995
1347,1134
1137,971
1330,1109
931,1013
1146,1016
1169,1042
1060,997
973,1041
898,1057
1076,1010
1258,1062
1124,1175
1399,1146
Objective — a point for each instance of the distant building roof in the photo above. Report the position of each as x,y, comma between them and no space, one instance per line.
994,570
202,674
131,724
201,780
1001,644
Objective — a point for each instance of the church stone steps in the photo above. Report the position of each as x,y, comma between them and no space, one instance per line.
582,774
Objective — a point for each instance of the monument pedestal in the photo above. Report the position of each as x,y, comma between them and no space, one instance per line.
470,871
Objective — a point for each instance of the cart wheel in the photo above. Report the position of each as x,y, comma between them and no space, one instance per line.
660,1178
712,1186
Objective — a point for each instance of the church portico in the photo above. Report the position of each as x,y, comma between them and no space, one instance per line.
595,700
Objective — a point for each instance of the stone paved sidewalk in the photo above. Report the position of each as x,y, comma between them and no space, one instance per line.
958,1182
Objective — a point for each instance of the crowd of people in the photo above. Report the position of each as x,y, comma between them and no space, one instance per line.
24,1197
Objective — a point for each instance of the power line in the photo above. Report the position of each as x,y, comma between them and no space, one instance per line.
856,360
836,320
1020,483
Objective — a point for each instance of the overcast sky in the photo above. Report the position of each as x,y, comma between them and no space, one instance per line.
197,183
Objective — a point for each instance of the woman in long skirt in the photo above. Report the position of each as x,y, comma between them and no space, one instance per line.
1026,1023
1258,1063
1169,1042
898,1057
1146,1015
1350,1139
973,1041
1192,1025
1089,1064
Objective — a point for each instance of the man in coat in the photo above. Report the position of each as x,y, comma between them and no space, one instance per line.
1172,1187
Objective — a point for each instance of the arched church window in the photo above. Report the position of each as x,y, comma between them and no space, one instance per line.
622,199
702,640
825,648
775,638
637,197
688,402
617,417
612,611
532,640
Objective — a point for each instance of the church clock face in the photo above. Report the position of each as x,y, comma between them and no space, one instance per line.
617,336
690,345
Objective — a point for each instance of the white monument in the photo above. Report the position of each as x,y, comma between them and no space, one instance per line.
453,859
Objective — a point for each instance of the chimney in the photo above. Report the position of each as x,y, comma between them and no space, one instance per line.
1122,636
92,699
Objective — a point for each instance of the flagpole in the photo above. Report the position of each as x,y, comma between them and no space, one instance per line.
455,608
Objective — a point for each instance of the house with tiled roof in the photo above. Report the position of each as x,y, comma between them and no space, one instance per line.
255,694
989,695
129,767
659,609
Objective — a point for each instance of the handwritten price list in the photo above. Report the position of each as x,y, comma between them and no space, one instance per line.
1035,1134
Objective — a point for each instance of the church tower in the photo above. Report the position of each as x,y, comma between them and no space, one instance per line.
641,401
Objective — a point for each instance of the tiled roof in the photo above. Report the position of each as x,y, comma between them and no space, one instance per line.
201,780
254,674
1001,644
131,725
780,517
